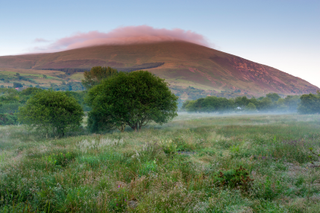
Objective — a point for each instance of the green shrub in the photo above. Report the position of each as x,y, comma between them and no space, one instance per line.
269,189
147,167
234,178
60,159
168,146
182,145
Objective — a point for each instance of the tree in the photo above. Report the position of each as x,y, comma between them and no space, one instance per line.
265,104
251,107
52,111
209,104
292,102
310,104
132,99
241,101
273,96
96,74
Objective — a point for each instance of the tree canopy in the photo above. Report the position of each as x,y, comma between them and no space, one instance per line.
310,103
132,99
96,75
51,111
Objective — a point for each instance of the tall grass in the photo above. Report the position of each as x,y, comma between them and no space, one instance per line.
170,168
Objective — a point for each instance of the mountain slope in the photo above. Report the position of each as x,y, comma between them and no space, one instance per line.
182,64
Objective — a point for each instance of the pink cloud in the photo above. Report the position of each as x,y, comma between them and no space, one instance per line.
124,35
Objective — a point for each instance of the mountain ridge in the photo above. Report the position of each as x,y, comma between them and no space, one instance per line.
182,64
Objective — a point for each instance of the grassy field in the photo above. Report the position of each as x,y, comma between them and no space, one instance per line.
34,77
196,163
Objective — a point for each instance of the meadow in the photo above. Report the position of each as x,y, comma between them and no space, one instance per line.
195,163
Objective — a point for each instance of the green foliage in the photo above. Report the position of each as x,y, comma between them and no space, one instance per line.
147,167
9,100
314,157
234,178
30,91
70,86
8,119
251,107
79,96
292,102
269,189
168,146
271,103
51,111
274,97
132,99
60,159
16,84
209,104
182,145
96,75
310,104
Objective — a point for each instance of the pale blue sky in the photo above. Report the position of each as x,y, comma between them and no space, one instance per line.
284,34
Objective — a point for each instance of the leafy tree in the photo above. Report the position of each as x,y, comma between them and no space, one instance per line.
52,111
132,99
96,74
292,102
8,119
251,107
280,105
209,104
26,94
273,97
9,100
79,96
310,104
265,104
242,101
30,91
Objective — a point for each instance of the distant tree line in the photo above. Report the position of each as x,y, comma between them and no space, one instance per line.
272,102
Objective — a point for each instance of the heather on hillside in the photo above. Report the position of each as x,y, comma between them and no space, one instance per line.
182,64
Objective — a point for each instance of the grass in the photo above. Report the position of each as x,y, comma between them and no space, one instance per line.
36,76
187,165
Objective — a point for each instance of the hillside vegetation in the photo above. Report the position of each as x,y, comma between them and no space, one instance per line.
196,163
182,64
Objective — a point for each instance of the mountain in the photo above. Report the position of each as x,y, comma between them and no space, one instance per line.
182,64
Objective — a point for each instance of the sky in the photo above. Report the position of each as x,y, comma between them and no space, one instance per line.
284,34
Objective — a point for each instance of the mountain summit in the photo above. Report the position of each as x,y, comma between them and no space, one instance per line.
182,64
